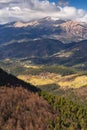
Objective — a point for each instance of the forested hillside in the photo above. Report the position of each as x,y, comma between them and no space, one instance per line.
23,107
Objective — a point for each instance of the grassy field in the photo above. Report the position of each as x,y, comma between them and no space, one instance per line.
39,75
65,82
60,80
73,86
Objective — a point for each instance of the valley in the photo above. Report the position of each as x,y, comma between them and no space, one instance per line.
70,82
50,55
43,65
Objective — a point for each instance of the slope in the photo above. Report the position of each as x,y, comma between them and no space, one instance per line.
31,49
9,80
20,106
22,109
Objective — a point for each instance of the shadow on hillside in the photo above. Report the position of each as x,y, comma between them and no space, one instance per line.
9,80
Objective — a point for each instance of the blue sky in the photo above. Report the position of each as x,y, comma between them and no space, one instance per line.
27,10
77,3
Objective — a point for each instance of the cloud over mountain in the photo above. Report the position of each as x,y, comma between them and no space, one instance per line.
26,10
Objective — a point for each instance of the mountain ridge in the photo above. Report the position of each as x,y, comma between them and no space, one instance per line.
50,41
66,31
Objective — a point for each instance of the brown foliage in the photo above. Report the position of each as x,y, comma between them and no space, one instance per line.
21,109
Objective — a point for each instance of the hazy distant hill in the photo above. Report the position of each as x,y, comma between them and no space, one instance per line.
30,49
75,53
47,51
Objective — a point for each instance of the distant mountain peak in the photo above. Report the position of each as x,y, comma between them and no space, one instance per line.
22,24
48,27
75,28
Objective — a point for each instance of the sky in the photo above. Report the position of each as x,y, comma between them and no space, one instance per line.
76,3
27,10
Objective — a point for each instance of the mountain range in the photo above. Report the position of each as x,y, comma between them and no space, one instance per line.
65,31
52,55
45,41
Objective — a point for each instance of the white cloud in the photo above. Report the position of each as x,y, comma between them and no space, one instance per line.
68,12
26,10
5,1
